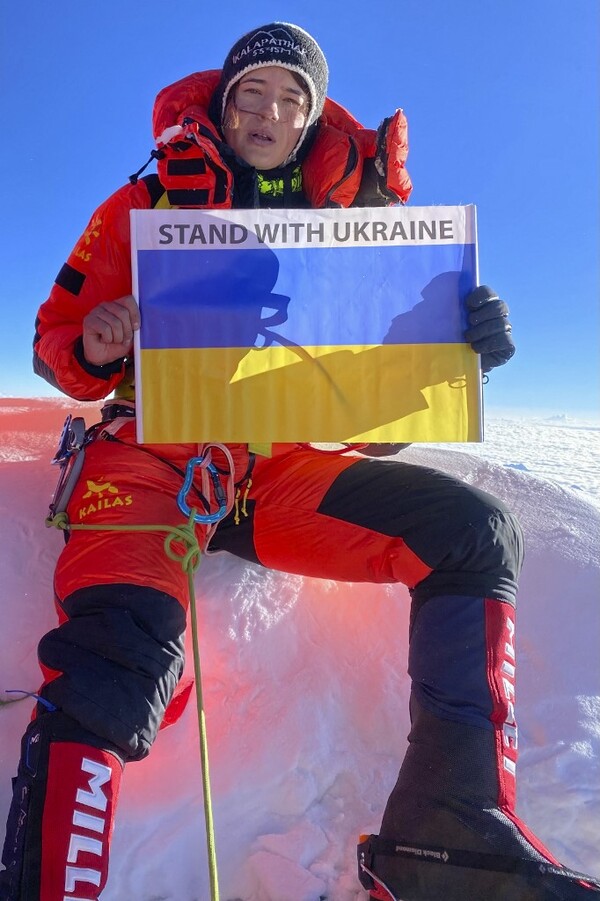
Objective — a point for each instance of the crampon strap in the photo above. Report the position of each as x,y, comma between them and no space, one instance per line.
372,846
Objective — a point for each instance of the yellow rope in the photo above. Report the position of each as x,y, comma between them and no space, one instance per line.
208,812
189,561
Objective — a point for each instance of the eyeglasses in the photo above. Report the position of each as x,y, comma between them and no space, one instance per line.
289,109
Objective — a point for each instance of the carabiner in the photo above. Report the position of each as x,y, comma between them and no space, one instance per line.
206,518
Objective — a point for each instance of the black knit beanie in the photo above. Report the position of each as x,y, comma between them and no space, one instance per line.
277,44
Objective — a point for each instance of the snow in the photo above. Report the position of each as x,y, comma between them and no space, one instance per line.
305,681
561,449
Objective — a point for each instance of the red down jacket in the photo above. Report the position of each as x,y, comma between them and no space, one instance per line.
334,174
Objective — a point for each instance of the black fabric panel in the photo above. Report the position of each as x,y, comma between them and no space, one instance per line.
179,146
114,410
237,539
245,185
373,190
470,540
154,188
188,197
70,279
121,656
183,166
381,450
99,372
294,201
220,189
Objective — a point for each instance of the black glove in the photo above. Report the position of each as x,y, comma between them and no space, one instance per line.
381,450
489,332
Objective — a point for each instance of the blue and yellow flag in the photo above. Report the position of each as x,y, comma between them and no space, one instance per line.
305,325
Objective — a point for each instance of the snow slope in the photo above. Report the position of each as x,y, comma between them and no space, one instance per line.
306,688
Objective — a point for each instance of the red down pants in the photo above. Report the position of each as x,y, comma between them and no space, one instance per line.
113,664
338,517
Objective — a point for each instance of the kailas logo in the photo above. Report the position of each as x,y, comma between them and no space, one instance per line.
91,232
277,41
102,496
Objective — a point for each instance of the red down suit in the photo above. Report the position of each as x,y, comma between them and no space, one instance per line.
113,665
301,511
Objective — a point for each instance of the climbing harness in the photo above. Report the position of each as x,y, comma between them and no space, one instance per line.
70,457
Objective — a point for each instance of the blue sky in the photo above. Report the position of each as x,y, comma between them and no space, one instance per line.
502,103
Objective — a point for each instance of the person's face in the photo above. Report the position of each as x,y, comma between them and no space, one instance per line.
265,118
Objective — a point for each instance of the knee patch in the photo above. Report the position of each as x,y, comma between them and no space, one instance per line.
467,537
120,656
484,554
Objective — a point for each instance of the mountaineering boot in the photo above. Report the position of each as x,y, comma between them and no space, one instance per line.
455,793
60,821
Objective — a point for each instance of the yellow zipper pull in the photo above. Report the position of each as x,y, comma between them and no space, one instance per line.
246,493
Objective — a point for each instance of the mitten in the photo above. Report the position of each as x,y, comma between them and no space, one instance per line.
489,332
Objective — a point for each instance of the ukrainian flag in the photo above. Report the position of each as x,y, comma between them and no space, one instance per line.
327,330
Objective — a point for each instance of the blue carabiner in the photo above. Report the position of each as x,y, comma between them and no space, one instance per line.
206,518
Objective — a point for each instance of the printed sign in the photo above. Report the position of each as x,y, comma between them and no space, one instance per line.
305,325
